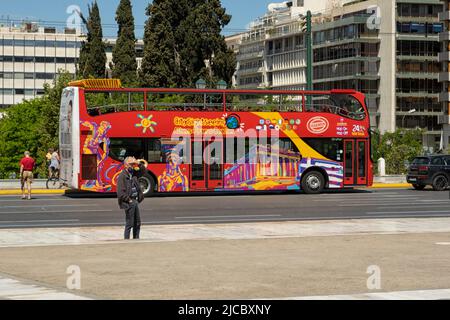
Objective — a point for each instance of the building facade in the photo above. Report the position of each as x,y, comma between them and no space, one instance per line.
32,55
387,49
444,76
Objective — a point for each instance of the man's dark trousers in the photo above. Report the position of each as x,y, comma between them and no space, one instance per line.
132,220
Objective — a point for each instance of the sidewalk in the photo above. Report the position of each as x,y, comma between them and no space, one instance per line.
292,260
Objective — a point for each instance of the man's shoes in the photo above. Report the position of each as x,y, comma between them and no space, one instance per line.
24,198
29,197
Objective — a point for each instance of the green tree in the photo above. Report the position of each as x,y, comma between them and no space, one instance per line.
204,53
159,65
124,55
183,43
19,132
31,125
92,61
398,148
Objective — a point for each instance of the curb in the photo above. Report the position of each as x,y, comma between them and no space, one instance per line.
45,191
37,191
390,185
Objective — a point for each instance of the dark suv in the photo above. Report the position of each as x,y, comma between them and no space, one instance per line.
431,170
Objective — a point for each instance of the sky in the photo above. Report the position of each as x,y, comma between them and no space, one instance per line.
53,12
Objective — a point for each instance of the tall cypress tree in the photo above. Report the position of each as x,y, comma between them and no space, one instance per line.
159,63
92,61
124,54
183,43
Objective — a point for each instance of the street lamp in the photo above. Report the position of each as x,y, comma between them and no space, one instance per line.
409,112
222,85
201,84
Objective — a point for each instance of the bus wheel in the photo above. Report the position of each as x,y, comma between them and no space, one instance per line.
313,182
147,184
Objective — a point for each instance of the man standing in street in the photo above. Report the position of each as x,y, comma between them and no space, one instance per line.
129,195
26,173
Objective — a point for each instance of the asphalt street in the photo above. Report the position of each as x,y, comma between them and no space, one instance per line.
64,211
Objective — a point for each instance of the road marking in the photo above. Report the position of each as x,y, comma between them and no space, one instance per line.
443,243
32,221
67,211
211,221
415,206
341,199
389,203
409,212
231,216
54,205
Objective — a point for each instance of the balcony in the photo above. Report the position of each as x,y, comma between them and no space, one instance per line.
444,96
249,56
444,16
444,119
250,71
444,36
444,56
417,75
444,77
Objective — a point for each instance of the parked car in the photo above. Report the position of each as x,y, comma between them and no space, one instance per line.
433,170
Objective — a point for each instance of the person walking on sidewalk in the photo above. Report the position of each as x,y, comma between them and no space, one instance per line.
26,173
129,195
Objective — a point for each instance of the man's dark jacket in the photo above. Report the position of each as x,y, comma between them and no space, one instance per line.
125,183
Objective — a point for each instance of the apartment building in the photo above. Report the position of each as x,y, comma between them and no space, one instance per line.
31,55
387,49
444,76
272,54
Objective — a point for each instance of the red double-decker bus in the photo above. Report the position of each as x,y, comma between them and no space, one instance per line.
214,140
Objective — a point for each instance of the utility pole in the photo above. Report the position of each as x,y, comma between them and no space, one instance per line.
306,28
309,52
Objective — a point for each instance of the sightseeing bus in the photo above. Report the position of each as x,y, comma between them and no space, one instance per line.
214,140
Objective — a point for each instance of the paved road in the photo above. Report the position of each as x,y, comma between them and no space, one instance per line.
62,211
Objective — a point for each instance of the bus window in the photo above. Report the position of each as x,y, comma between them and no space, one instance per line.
342,104
195,101
127,147
263,103
331,148
154,152
99,103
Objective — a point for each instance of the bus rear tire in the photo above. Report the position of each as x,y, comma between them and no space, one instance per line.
147,183
313,182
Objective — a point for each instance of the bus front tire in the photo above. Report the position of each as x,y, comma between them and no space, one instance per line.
313,182
147,183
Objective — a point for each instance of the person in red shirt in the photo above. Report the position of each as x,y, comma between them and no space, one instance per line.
26,173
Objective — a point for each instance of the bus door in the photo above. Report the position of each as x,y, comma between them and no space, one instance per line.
206,166
355,162
361,165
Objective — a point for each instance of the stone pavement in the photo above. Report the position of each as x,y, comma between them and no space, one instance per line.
268,230
290,260
13,289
